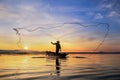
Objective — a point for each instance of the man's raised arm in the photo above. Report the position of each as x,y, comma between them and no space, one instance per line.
53,43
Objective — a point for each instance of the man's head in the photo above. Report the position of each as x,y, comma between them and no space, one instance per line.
58,41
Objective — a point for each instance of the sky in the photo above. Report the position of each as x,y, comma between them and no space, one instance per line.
40,22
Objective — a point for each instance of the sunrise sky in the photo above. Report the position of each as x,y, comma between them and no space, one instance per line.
49,15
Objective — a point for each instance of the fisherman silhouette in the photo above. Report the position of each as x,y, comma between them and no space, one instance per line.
58,47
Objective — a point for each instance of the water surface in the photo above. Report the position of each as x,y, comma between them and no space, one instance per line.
93,67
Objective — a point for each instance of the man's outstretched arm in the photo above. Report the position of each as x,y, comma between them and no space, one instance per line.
53,43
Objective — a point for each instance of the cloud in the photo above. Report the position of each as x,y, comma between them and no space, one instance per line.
106,5
113,13
33,16
99,16
70,9
110,5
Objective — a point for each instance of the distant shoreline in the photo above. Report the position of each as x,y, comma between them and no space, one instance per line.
43,52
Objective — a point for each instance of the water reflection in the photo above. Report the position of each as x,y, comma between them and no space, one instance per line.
57,66
55,63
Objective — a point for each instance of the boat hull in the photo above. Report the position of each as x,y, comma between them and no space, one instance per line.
61,55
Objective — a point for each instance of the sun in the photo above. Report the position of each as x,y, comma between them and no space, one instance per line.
26,48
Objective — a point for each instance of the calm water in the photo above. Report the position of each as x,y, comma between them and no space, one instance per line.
94,67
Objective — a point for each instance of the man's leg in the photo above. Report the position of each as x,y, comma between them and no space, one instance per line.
57,51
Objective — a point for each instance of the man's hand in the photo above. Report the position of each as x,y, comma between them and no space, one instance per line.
52,43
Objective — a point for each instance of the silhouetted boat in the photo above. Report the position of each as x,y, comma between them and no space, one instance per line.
61,55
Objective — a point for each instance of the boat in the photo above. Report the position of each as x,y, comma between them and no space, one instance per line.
60,55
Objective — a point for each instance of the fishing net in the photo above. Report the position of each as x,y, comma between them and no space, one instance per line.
69,32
